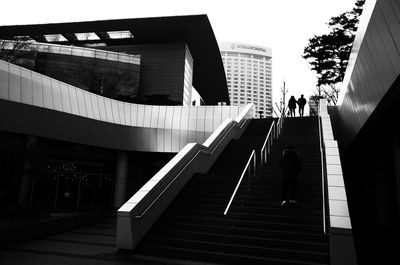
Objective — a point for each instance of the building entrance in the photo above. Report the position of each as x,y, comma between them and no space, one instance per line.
73,184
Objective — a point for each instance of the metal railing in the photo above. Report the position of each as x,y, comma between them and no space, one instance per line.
322,175
187,164
273,133
246,168
280,123
266,148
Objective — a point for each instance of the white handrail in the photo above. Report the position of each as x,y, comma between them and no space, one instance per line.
253,155
212,142
322,174
276,131
269,139
187,164
139,213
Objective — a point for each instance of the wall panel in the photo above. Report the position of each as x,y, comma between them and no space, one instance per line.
55,87
4,80
373,66
26,86
37,93
15,84
71,114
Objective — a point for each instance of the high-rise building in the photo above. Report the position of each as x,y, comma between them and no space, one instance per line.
248,74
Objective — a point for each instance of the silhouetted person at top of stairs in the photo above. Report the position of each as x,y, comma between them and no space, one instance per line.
301,102
290,164
292,106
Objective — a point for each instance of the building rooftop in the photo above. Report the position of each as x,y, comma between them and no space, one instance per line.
195,30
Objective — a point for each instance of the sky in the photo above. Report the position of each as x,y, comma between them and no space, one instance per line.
282,25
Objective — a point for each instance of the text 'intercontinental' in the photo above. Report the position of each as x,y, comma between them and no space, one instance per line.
248,47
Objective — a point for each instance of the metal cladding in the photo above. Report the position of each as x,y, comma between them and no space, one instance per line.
373,68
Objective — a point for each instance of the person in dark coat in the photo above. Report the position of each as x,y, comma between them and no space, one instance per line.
292,106
290,164
301,102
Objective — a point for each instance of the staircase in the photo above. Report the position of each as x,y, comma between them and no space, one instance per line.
257,230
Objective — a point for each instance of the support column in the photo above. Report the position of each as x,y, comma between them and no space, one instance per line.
23,196
121,179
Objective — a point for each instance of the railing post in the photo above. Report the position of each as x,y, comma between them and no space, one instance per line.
265,156
224,238
262,159
279,129
249,182
255,164
271,141
272,137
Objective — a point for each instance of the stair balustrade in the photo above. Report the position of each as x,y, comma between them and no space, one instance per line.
273,133
266,148
210,153
247,169
323,170
140,212
255,229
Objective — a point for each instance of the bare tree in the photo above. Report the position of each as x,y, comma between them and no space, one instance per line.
282,103
13,50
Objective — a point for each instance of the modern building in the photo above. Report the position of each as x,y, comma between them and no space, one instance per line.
62,144
89,111
248,72
366,127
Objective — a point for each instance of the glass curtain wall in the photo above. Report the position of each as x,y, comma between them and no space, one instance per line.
112,79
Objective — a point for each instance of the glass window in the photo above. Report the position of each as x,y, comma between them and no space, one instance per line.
121,34
232,54
55,38
87,36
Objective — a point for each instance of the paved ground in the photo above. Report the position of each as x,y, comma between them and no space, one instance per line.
84,246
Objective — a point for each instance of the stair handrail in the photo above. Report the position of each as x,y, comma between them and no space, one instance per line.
147,203
280,123
266,148
252,155
183,169
276,131
322,174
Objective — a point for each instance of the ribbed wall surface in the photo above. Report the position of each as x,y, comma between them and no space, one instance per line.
373,66
31,103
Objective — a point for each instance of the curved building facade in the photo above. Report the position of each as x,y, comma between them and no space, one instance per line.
89,111
248,72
